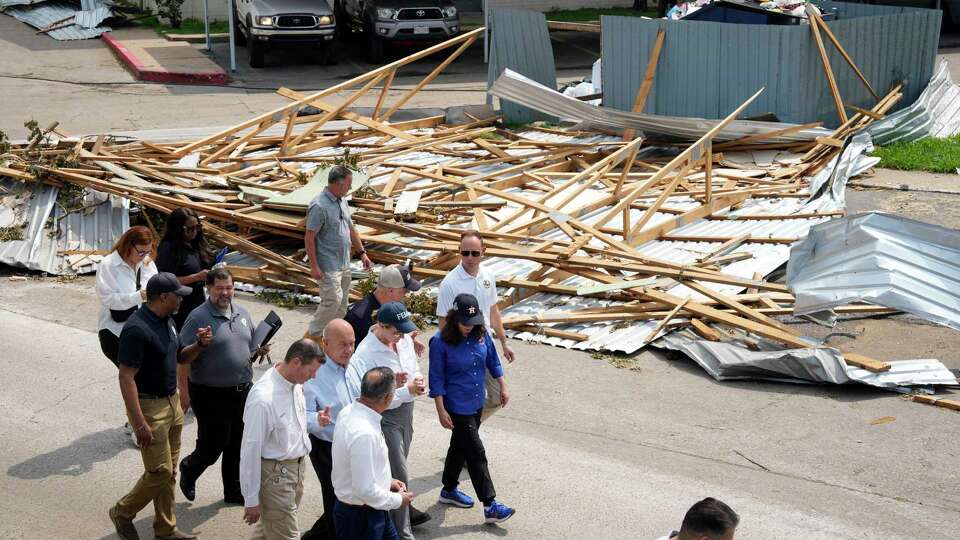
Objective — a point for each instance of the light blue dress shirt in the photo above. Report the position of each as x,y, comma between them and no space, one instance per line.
327,388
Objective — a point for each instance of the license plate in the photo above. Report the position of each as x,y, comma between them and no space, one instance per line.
421,30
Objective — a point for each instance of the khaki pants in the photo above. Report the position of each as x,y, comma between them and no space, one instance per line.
281,489
334,297
160,459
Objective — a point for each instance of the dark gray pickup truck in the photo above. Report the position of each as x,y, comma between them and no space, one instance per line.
385,21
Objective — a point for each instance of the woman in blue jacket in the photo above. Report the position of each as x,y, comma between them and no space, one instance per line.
460,354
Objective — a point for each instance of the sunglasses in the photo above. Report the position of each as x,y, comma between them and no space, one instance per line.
469,253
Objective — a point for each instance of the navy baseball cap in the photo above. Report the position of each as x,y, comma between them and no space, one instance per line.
165,282
468,309
396,314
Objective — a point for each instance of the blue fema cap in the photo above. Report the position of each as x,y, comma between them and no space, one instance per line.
396,314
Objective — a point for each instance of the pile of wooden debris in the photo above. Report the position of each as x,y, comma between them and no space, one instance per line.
576,215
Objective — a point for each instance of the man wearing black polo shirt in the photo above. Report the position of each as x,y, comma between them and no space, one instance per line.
220,378
148,382
392,285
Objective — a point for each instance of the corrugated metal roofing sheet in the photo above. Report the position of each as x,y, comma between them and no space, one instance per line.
882,259
520,41
50,13
936,113
50,231
707,68
516,87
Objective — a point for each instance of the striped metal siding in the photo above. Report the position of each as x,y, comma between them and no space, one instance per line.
706,69
521,42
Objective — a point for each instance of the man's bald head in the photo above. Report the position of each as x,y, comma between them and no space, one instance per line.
338,339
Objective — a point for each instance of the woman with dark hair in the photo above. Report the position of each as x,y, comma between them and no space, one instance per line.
460,355
184,252
121,287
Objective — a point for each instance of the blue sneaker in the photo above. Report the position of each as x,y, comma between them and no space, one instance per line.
498,513
456,498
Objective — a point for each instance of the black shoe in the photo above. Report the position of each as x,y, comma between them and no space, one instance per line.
417,517
189,489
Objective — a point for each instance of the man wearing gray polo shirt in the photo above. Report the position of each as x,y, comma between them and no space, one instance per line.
329,239
219,380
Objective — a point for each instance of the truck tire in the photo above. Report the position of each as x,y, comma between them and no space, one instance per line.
374,46
239,38
342,29
256,51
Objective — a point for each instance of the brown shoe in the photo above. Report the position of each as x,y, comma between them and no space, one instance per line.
177,535
124,526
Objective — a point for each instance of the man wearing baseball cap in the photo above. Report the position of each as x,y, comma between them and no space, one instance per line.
392,285
390,344
147,356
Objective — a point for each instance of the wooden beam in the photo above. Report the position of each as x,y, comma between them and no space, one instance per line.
663,322
827,70
640,99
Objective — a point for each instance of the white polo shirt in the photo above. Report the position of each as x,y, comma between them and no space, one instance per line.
458,281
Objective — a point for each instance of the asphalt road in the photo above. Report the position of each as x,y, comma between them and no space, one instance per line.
584,450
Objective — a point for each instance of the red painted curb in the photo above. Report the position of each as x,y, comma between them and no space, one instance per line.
133,64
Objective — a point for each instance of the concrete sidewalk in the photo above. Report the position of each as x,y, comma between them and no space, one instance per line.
150,57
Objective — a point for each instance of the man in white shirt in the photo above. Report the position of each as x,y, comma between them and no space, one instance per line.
709,519
470,277
361,469
275,444
390,344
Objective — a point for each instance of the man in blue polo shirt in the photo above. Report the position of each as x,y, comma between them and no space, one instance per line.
220,378
148,382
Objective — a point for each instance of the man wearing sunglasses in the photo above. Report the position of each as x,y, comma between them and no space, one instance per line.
471,278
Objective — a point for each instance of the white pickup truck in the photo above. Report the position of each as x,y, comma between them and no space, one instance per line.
263,24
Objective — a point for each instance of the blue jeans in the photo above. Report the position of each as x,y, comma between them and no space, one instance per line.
353,523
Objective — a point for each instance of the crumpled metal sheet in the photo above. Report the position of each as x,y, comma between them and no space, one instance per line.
936,113
43,15
852,161
730,362
50,231
882,259
519,89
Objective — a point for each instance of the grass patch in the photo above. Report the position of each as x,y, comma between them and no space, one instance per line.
189,26
932,155
593,14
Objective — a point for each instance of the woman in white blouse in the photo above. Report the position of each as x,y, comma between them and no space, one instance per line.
121,285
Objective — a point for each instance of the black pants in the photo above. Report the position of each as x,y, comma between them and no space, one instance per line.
219,414
110,345
322,459
466,447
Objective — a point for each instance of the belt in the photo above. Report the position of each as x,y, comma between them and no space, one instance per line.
358,506
242,387
286,461
151,396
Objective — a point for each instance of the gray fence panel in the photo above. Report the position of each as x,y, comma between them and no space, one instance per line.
706,69
520,42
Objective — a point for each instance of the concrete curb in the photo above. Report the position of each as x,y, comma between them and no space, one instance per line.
197,38
136,67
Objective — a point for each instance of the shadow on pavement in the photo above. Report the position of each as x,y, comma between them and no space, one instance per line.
189,518
75,459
